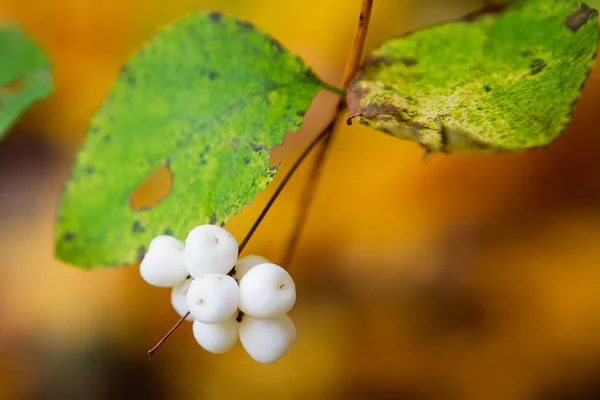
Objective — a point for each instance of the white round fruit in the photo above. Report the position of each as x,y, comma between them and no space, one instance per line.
245,264
213,298
210,249
179,299
267,339
217,338
267,291
164,264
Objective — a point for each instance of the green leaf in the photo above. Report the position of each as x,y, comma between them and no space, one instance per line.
208,97
24,75
494,82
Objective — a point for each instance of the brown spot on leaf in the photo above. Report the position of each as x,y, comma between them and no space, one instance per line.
300,113
408,61
277,45
257,147
580,17
68,236
244,24
234,142
153,189
89,170
213,219
137,227
141,252
215,16
376,61
14,86
537,66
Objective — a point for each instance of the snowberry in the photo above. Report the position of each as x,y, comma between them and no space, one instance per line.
164,264
179,299
267,339
245,264
267,291
210,249
213,298
217,338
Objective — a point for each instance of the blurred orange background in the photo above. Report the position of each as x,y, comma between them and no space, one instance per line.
462,277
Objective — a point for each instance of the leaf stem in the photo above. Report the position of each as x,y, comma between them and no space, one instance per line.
308,195
164,339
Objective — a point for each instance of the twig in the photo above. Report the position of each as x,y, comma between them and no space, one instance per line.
308,195
164,339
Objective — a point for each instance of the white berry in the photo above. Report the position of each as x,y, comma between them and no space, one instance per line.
245,264
267,339
179,299
213,298
267,291
210,249
217,338
164,265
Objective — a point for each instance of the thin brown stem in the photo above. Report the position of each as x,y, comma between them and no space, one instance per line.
324,133
164,339
308,195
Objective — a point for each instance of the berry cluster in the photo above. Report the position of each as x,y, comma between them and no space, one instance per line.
227,300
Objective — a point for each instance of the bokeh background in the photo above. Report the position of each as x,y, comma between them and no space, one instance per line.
460,277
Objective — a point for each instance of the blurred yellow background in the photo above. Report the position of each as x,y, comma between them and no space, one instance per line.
463,277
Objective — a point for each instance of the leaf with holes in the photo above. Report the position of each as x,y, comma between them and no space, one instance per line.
496,81
24,75
207,98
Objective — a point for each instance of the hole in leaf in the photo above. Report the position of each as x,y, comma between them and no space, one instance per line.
152,190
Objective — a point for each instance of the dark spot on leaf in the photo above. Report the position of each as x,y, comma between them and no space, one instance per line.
212,75
222,224
300,113
277,45
14,86
246,160
207,148
213,219
94,129
153,189
131,80
215,16
89,170
202,160
485,10
234,142
244,24
580,17
537,66
68,236
408,61
137,227
256,147
106,138
141,253
526,53
487,89
168,232
376,61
